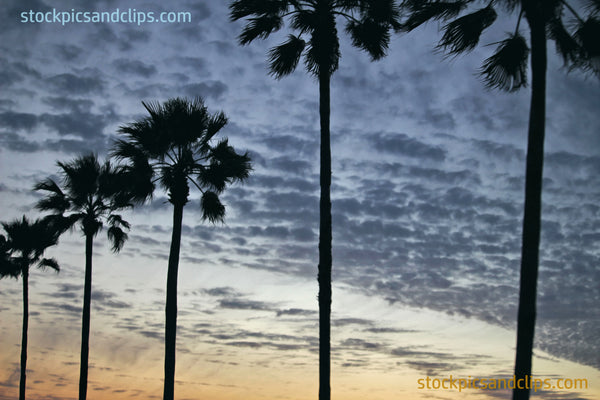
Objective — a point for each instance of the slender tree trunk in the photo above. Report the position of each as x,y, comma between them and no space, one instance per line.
325,238
85,325
23,380
532,215
171,307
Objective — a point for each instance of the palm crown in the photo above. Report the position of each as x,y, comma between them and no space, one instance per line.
576,41
24,246
173,146
90,195
367,22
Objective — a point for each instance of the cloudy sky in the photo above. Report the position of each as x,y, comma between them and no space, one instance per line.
427,193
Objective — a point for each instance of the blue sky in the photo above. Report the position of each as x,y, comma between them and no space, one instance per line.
427,192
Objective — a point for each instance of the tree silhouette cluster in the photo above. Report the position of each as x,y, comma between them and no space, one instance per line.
173,147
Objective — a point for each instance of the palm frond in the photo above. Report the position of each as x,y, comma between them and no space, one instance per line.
117,220
125,149
593,6
135,183
421,12
284,58
370,36
212,208
216,122
144,136
260,27
587,35
236,166
506,69
349,5
154,108
226,167
212,177
463,33
60,223
244,8
49,263
134,178
117,237
8,266
53,202
80,178
304,20
382,11
566,45
48,185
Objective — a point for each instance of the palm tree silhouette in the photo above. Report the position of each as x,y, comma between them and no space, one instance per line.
506,69
24,246
173,147
91,195
368,23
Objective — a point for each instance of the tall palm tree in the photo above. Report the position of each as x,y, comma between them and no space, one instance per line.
22,248
506,69
368,22
173,146
90,196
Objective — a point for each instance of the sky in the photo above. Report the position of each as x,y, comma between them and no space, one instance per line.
428,179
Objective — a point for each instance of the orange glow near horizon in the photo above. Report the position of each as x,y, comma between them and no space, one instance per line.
127,366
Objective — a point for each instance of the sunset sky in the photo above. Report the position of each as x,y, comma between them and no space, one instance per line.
427,193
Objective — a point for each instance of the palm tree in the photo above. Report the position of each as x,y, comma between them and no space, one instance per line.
506,69
23,247
91,195
369,24
173,146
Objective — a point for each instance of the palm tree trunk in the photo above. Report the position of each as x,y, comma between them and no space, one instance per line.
325,238
23,380
171,307
85,324
532,215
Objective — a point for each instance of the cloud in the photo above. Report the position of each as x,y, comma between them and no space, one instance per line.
360,344
406,146
134,67
69,103
432,368
68,52
14,142
18,121
240,304
72,84
207,89
196,64
222,292
296,312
